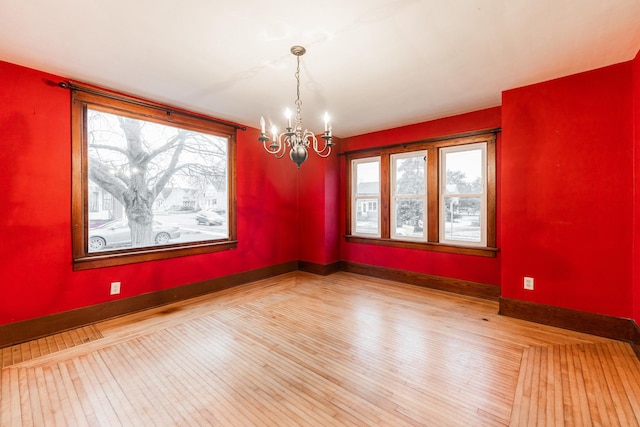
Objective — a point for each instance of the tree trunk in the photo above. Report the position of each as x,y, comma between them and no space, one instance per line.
138,198
138,206
141,231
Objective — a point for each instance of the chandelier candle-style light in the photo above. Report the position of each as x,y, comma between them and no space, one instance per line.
294,137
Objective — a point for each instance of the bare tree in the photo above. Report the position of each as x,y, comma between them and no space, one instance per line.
134,160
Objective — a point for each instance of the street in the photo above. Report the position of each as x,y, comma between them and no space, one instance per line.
190,231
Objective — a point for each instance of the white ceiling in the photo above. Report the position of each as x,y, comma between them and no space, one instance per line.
373,64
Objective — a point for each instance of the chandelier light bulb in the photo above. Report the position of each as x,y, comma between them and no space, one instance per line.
287,114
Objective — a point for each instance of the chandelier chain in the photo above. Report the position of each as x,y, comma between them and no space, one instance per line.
298,101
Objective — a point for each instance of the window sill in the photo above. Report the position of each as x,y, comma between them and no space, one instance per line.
427,246
109,259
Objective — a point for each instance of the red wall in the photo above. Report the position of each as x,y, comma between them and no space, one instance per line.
36,276
636,199
318,207
566,196
474,268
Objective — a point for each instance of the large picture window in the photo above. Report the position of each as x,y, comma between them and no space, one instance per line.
433,195
148,183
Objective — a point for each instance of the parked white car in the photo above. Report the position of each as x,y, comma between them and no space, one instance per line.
210,217
117,233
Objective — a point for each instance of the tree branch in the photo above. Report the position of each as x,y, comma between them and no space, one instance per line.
170,170
169,144
109,147
99,173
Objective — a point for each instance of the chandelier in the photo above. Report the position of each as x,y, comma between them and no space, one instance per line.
294,137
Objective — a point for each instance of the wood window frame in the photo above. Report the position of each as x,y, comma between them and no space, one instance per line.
393,197
84,97
482,146
432,147
373,159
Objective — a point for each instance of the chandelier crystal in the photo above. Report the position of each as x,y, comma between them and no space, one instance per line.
294,137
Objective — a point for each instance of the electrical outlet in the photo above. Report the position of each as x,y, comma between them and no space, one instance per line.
115,288
528,283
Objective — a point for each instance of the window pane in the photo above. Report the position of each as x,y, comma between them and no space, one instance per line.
409,217
462,219
155,181
464,172
368,178
107,201
409,174
367,216
94,197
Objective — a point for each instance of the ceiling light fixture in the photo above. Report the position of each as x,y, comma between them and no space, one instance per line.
294,137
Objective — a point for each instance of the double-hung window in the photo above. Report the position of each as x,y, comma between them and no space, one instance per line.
409,195
366,199
463,195
434,195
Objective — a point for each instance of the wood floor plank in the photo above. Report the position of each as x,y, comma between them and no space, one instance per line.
10,396
24,396
599,390
338,350
629,372
73,413
34,409
102,409
582,386
168,412
621,406
134,383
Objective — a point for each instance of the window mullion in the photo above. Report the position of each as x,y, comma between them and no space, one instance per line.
491,193
385,197
433,181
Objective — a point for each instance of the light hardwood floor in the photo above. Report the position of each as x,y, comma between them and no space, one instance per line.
301,349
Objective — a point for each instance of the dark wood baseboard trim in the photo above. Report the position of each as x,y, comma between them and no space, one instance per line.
15,333
595,324
458,286
321,269
635,338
